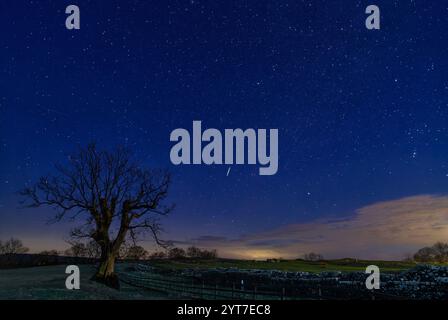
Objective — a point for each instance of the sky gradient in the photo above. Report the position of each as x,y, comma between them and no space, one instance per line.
362,116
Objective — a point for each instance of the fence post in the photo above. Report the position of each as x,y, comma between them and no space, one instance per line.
255,292
216,291
283,294
233,289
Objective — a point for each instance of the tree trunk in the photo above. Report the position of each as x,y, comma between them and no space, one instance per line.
106,271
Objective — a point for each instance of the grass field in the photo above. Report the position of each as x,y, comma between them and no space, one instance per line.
343,265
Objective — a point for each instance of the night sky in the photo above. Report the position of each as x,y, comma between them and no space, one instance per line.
362,116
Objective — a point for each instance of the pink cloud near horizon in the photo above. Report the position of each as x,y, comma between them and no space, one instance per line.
383,230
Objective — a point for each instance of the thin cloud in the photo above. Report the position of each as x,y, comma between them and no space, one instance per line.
383,230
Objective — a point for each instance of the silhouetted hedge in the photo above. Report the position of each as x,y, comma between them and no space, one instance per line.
10,261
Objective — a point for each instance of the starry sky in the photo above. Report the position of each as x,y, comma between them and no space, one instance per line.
362,116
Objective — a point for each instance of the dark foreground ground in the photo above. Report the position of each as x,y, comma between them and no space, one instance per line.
43,277
42,283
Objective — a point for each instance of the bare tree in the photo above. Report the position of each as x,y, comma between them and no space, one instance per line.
196,253
436,253
176,253
93,250
136,253
157,255
193,252
13,246
77,249
115,198
209,254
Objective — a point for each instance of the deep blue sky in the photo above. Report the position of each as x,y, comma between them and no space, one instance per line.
362,115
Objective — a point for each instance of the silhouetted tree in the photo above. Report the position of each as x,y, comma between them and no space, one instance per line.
441,249
196,253
13,246
209,254
436,253
176,253
114,197
157,255
93,250
136,253
193,252
77,249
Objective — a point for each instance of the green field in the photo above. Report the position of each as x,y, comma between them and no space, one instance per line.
343,265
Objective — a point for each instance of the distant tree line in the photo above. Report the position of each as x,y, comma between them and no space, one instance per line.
49,253
437,253
135,252
92,250
180,253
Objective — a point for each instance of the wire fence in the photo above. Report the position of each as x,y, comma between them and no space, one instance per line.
189,288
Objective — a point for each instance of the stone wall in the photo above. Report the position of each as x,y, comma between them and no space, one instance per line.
421,282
